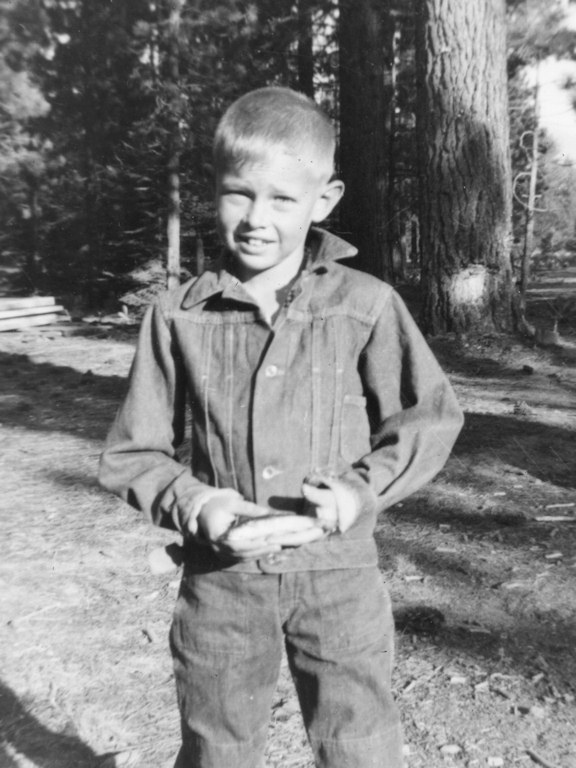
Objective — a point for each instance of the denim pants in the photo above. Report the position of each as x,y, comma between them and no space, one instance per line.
337,627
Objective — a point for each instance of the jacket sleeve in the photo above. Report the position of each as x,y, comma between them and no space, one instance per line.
139,459
415,418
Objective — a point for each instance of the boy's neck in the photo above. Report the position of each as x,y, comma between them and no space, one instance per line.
275,277
266,287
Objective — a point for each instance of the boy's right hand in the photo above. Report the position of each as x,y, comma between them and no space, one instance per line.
219,515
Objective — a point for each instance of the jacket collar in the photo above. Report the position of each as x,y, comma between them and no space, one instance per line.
322,247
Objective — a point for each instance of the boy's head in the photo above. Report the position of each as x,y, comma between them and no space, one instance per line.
274,154
275,119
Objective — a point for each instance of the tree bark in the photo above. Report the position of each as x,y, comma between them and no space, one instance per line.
530,211
363,133
92,251
464,166
395,265
305,49
33,251
175,146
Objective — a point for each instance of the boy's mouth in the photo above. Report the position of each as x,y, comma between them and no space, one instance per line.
252,243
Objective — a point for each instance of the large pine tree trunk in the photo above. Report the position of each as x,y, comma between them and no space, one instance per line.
465,177
363,136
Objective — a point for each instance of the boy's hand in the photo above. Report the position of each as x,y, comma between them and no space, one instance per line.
219,515
331,502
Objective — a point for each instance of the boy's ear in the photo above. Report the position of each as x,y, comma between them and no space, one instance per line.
327,200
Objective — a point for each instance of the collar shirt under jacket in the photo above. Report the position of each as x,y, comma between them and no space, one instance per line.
342,383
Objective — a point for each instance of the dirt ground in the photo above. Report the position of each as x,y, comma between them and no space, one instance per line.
481,566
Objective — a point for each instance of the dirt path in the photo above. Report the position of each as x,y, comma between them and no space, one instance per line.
485,592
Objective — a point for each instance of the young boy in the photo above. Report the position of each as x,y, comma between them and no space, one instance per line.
315,405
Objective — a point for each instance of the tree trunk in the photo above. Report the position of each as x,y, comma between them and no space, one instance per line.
394,256
305,49
31,222
92,251
33,252
363,133
530,211
175,146
464,173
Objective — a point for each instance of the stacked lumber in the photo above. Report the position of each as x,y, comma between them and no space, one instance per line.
26,312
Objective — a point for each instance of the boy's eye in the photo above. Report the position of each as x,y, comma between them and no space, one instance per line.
234,194
284,199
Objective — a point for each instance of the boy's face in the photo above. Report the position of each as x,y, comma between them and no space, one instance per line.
265,209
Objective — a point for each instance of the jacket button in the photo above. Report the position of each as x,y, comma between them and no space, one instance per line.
269,472
271,371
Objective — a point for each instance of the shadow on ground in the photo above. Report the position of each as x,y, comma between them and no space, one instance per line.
23,734
43,396
545,451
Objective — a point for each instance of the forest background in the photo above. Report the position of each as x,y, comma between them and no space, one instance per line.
108,111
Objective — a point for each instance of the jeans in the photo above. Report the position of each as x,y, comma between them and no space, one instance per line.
226,641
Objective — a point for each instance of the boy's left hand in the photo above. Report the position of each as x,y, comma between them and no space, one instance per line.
331,502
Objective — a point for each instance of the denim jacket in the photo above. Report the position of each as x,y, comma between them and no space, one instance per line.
341,384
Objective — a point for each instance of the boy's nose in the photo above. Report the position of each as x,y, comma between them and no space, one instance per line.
256,214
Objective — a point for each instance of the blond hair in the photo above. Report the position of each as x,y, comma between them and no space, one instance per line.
271,118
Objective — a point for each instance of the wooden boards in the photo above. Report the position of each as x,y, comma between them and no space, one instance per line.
17,313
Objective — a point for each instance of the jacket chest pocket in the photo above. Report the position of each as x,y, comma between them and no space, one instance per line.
354,428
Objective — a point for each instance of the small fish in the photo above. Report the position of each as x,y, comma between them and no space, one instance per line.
247,528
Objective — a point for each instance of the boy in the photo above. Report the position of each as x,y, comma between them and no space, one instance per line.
315,404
